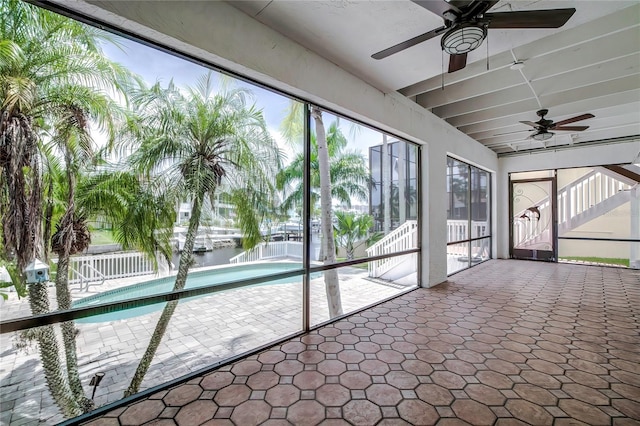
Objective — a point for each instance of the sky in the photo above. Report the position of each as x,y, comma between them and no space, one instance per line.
154,65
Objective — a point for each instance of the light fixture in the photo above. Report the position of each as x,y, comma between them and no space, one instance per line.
95,382
542,135
463,38
517,65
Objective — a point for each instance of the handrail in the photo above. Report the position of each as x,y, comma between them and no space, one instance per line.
400,239
574,199
91,268
82,277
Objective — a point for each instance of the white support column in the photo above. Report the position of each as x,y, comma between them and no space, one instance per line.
402,180
634,253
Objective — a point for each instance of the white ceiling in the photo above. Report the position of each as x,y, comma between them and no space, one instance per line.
590,65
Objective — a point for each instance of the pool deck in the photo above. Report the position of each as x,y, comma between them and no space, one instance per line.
202,332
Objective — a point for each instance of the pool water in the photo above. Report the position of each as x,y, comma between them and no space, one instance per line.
217,276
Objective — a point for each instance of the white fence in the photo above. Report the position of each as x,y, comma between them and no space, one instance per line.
87,269
270,250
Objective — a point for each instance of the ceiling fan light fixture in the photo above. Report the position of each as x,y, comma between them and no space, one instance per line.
463,38
542,136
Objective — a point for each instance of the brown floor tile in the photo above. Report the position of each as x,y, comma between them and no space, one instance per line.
529,412
434,394
333,395
535,394
182,395
308,380
232,395
306,412
485,394
473,412
586,394
506,343
361,412
251,413
141,412
627,407
417,412
196,412
494,379
282,395
584,412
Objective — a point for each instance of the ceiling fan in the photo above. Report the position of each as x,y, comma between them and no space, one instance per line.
542,126
466,23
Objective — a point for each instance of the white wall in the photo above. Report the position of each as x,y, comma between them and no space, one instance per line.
219,34
595,155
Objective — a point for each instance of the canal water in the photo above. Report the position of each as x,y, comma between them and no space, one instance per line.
219,256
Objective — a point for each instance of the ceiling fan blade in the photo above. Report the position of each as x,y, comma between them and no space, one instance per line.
439,7
573,120
552,18
570,128
530,123
457,62
408,43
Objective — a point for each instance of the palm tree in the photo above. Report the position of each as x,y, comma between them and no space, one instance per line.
199,143
140,214
351,228
53,80
349,176
335,173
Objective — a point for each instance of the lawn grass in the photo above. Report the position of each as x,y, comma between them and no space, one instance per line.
101,237
363,265
606,260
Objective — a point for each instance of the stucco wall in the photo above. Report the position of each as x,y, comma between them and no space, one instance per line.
596,155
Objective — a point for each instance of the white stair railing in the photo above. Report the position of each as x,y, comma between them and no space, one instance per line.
457,229
588,193
84,280
270,250
405,237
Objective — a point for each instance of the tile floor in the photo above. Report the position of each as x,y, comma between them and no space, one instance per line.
506,343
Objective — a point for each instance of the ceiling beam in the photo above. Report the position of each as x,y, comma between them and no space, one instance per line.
618,21
548,101
602,52
501,124
607,70
490,100
625,67
481,85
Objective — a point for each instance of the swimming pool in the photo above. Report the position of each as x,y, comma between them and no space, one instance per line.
216,276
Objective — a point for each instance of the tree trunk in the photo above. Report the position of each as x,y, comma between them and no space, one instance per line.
48,215
181,279
22,238
63,295
49,354
68,328
331,282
